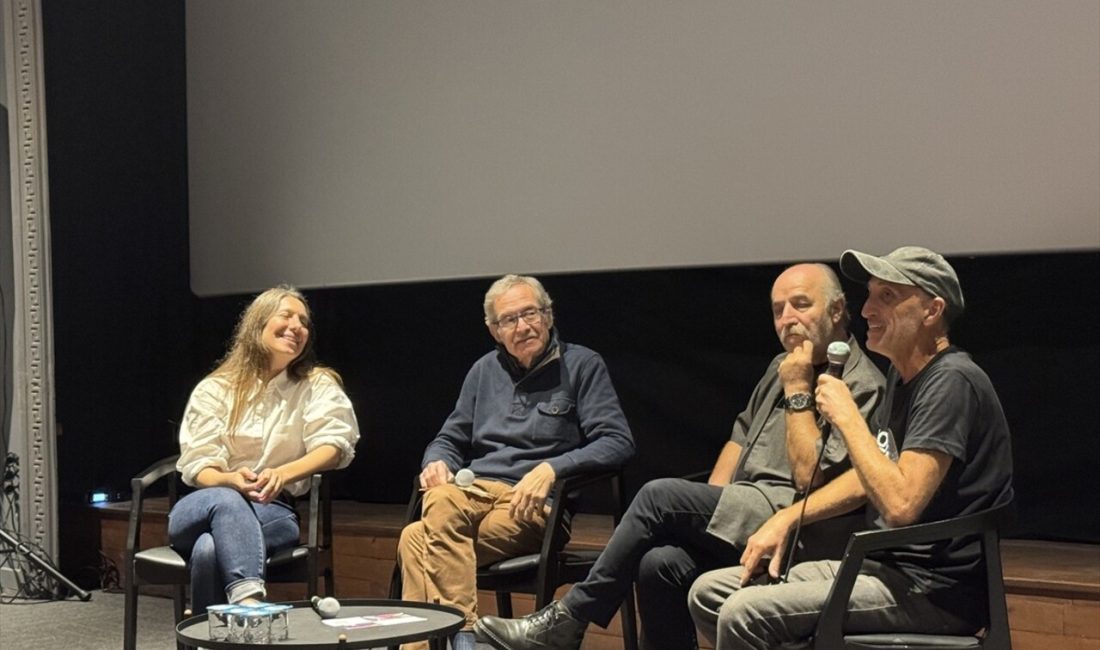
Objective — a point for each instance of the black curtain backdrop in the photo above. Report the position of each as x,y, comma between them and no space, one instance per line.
684,347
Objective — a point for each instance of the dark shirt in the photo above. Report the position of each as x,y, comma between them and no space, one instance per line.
950,407
761,432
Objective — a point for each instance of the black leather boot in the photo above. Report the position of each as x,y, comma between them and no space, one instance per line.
550,628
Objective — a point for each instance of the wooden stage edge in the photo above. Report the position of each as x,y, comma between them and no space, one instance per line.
1053,588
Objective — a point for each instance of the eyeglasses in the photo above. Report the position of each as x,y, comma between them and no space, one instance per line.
531,316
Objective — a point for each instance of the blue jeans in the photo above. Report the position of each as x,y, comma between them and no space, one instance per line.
226,539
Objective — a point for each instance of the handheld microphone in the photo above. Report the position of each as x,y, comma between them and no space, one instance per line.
837,353
464,478
327,607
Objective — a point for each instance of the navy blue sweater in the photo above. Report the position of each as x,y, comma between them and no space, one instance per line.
507,421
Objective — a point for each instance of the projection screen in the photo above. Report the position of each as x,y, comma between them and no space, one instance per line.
338,142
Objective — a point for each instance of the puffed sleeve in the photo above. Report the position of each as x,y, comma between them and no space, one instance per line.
204,423
330,418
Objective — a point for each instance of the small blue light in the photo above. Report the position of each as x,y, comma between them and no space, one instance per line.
100,497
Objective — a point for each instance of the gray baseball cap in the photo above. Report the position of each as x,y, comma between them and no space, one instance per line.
912,265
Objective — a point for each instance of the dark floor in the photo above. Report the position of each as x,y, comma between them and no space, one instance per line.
92,625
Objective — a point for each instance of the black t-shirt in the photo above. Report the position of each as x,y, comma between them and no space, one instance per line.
950,407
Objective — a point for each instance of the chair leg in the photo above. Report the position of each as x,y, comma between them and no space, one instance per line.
630,623
330,582
311,579
395,583
129,627
178,600
504,604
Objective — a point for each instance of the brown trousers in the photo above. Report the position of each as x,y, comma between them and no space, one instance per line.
460,530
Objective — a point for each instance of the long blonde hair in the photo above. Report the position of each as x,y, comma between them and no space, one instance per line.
246,363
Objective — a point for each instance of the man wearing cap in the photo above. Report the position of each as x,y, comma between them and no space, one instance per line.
676,528
943,415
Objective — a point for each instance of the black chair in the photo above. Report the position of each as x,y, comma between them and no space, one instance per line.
542,573
995,636
163,566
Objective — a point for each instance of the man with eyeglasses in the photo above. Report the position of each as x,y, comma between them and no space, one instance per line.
675,529
536,410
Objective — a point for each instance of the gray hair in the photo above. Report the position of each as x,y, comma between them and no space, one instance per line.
834,292
501,286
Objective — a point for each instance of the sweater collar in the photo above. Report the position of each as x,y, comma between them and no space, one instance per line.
548,356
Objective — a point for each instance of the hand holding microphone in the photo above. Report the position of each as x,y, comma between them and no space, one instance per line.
826,395
837,354
435,473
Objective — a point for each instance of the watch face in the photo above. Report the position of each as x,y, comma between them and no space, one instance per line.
800,401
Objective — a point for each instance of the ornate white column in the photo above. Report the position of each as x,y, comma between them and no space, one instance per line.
33,423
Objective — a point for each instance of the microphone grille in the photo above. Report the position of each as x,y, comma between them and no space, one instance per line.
838,352
464,477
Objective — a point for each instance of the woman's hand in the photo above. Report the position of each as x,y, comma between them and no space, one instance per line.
267,486
242,480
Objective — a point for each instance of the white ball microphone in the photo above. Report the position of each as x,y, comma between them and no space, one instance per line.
837,353
464,478
327,607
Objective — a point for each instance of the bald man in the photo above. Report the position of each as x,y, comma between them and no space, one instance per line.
676,529
938,448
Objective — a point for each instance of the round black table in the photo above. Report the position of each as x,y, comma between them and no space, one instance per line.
307,632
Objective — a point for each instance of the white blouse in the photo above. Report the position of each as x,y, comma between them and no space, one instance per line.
283,421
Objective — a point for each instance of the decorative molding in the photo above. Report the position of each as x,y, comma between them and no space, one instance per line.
33,415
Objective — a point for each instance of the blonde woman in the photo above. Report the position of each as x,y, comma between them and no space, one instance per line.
263,421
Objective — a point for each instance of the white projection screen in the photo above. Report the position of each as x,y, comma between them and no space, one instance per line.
339,142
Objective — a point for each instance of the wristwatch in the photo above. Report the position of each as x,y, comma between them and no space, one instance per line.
799,402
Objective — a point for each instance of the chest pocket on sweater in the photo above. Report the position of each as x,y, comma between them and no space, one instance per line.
556,420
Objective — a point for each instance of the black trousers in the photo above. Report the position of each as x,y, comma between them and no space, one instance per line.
663,544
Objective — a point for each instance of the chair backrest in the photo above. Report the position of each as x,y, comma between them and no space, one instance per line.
997,629
138,487
986,524
566,497
318,522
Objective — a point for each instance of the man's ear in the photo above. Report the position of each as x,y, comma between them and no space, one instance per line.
836,310
493,332
937,308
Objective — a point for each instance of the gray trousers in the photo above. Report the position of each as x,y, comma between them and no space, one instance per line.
765,616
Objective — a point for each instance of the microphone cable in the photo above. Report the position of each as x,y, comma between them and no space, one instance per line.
792,547
837,353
